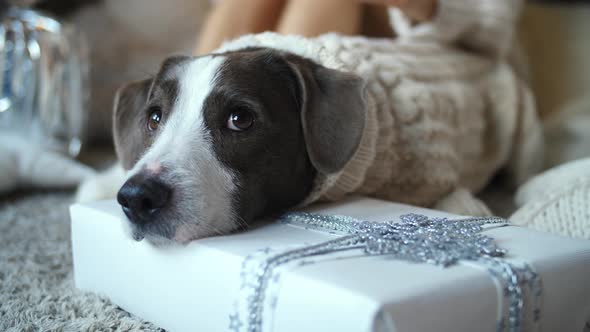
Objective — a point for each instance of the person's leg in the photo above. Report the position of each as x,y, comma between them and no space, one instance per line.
233,18
375,22
313,17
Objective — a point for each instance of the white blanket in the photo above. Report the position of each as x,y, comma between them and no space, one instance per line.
26,164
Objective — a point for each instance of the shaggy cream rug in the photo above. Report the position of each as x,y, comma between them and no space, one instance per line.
37,290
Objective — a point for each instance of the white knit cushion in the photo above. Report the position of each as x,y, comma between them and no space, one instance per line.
557,201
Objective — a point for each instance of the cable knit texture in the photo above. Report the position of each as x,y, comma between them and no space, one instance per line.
446,108
556,201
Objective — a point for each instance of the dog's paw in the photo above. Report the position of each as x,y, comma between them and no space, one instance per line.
462,202
101,186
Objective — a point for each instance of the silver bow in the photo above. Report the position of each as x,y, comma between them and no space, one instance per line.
416,238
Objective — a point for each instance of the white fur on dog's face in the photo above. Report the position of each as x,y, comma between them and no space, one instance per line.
203,174
183,147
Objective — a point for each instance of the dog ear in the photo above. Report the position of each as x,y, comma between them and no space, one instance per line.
333,114
128,118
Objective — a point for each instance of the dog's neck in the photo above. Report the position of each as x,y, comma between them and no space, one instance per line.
331,187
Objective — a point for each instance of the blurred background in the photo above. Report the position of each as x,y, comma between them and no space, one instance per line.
556,37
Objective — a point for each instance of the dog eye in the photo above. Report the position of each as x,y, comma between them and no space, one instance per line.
240,120
154,118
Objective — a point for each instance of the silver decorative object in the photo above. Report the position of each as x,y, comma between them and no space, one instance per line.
43,78
416,238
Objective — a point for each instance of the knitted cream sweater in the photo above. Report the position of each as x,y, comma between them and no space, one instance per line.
446,110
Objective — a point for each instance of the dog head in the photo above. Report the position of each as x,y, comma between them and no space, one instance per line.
213,142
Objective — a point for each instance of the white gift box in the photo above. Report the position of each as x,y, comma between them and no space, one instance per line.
197,287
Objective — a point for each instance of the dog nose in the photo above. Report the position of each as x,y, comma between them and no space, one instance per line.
142,196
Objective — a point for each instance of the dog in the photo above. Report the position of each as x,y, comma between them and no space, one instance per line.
220,139
267,123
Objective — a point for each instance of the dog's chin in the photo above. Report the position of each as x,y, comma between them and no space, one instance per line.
160,241
186,233
183,234
139,234
155,239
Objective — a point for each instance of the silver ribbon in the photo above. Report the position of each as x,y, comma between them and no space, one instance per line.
417,238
